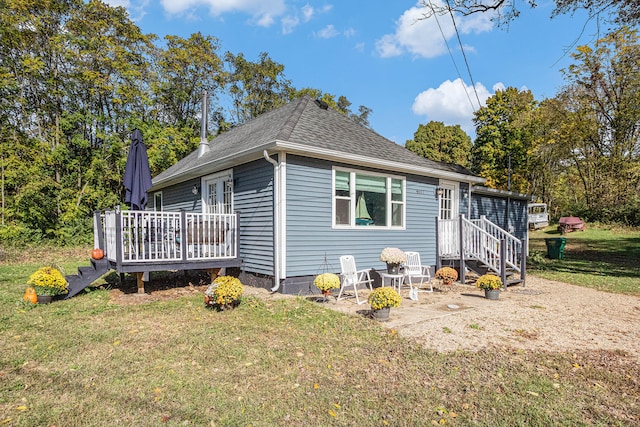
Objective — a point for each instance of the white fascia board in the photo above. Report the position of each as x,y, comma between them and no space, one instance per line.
357,159
213,165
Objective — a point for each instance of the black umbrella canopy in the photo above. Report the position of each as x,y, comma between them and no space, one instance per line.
137,175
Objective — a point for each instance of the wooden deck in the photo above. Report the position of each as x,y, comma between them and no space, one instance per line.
144,241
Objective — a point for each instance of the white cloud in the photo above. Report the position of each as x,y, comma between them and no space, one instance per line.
327,32
305,14
424,37
449,103
289,23
263,12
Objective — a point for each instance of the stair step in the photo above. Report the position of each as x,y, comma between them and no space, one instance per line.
86,276
514,282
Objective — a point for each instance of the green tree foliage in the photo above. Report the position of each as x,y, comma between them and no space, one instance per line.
504,138
579,151
256,87
442,143
187,68
601,130
76,77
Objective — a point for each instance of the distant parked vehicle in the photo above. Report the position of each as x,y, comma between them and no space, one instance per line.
538,216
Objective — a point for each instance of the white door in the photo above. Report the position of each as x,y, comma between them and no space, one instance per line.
448,224
448,203
217,193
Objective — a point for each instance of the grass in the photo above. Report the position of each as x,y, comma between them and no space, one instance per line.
90,362
602,258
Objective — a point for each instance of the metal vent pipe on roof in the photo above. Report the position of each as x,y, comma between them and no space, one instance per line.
204,142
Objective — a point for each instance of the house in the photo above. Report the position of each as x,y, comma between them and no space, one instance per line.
301,185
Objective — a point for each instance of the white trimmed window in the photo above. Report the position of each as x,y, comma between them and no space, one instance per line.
157,201
365,199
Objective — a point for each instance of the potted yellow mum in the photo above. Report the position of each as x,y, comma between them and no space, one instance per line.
48,283
325,282
491,285
224,293
381,300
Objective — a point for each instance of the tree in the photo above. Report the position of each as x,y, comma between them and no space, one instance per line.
186,68
256,87
602,101
504,139
623,12
441,143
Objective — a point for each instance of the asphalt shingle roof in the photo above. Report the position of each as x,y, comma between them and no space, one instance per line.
305,123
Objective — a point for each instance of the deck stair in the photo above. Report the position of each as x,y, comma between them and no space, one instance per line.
86,276
483,247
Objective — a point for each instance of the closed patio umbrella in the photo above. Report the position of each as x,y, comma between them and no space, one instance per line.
137,175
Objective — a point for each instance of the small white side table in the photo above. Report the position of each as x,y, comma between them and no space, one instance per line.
395,280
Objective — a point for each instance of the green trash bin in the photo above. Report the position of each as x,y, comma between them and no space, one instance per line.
555,247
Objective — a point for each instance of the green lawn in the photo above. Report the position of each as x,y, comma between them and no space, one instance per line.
600,257
90,362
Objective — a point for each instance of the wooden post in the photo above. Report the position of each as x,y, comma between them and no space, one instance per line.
461,238
523,265
119,240
140,282
183,235
438,261
213,273
503,263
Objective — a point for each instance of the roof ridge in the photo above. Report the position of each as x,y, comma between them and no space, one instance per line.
287,128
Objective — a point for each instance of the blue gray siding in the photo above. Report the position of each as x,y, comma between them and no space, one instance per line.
180,197
310,236
253,200
495,209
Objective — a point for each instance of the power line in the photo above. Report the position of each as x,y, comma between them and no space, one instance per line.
435,15
473,84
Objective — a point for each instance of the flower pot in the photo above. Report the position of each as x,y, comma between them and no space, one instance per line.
325,295
493,294
393,268
381,315
44,299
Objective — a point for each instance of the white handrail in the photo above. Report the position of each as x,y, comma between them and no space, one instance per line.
513,245
159,236
481,241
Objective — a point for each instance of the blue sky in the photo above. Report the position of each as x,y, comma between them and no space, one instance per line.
378,54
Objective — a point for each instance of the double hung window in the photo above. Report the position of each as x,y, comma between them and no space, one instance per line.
368,199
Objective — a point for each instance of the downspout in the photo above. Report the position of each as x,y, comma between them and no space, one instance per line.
276,222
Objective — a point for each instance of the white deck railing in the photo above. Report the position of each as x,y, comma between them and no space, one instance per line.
143,236
513,245
481,241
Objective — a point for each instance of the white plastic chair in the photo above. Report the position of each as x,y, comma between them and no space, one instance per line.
414,270
351,276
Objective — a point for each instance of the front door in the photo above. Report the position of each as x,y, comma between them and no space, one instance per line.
448,202
217,193
448,224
